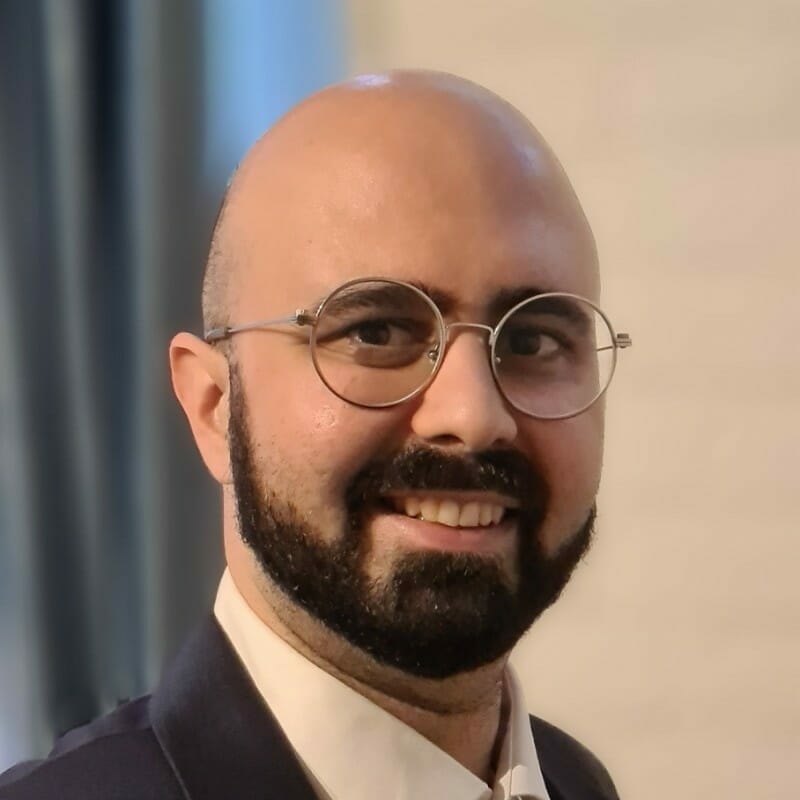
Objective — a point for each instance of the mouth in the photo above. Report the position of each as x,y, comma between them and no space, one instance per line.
447,521
454,511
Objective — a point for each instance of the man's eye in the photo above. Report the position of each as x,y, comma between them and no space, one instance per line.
532,342
387,333
374,332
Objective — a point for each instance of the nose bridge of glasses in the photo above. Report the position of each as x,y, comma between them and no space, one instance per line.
461,326
456,325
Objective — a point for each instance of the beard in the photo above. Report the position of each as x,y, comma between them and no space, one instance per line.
436,614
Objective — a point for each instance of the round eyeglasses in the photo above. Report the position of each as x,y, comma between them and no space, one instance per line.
377,342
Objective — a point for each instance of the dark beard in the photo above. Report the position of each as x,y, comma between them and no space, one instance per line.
436,614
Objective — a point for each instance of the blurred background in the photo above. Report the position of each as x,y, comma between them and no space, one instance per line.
675,652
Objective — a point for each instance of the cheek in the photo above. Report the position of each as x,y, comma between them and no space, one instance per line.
569,454
309,444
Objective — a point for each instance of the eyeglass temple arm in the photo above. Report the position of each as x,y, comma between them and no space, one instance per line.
621,341
300,317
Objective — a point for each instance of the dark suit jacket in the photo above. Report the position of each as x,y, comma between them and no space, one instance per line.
205,734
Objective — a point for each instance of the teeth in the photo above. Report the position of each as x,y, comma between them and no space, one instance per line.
413,506
429,509
449,512
470,515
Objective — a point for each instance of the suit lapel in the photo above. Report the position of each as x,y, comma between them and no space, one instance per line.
570,771
216,731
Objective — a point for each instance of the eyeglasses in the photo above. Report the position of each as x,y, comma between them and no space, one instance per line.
377,342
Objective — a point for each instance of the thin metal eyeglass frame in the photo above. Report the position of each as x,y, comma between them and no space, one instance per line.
303,317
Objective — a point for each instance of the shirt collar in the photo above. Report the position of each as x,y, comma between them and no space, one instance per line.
519,773
350,747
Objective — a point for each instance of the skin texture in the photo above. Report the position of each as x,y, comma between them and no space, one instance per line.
416,176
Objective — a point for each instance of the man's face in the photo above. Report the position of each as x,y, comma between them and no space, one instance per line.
328,493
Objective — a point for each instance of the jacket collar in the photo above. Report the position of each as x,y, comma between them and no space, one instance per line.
222,741
215,730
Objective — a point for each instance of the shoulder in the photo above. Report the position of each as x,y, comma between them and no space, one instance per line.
116,757
570,768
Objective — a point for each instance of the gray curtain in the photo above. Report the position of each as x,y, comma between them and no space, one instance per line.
115,143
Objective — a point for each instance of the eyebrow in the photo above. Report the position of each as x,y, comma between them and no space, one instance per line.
502,301
567,310
444,301
366,297
506,299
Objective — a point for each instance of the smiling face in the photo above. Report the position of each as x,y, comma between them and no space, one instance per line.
429,534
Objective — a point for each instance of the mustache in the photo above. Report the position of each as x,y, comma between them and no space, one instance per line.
506,472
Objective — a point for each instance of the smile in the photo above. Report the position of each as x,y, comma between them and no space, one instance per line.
454,512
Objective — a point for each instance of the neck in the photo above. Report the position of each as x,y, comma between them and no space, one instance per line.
461,715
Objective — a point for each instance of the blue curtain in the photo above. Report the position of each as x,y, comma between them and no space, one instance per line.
120,123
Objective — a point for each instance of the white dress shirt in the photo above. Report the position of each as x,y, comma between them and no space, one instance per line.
350,748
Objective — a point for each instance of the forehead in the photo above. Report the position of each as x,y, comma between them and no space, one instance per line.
469,219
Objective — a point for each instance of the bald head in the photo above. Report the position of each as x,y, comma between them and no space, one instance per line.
362,175
436,186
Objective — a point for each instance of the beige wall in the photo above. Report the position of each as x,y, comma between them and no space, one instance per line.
676,652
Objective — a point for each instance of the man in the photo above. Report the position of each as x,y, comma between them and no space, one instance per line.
399,392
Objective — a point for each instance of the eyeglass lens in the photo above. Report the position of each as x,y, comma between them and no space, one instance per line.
553,356
375,343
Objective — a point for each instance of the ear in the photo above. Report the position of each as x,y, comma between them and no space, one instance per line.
200,382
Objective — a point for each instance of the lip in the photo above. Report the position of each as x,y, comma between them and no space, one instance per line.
416,534
460,497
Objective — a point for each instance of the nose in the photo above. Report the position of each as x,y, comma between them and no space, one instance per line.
463,406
